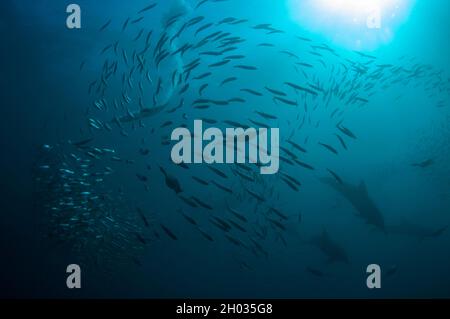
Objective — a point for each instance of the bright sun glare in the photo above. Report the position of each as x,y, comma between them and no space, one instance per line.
353,6
355,24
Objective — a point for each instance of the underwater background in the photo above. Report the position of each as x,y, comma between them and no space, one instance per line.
87,178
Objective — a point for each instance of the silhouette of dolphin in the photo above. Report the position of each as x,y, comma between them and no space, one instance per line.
421,232
329,247
359,197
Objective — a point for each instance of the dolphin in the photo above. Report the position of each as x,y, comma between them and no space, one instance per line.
424,164
329,247
179,8
359,197
421,232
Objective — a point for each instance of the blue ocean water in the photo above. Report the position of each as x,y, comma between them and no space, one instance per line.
372,131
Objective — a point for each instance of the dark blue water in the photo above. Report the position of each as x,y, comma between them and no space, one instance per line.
384,92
